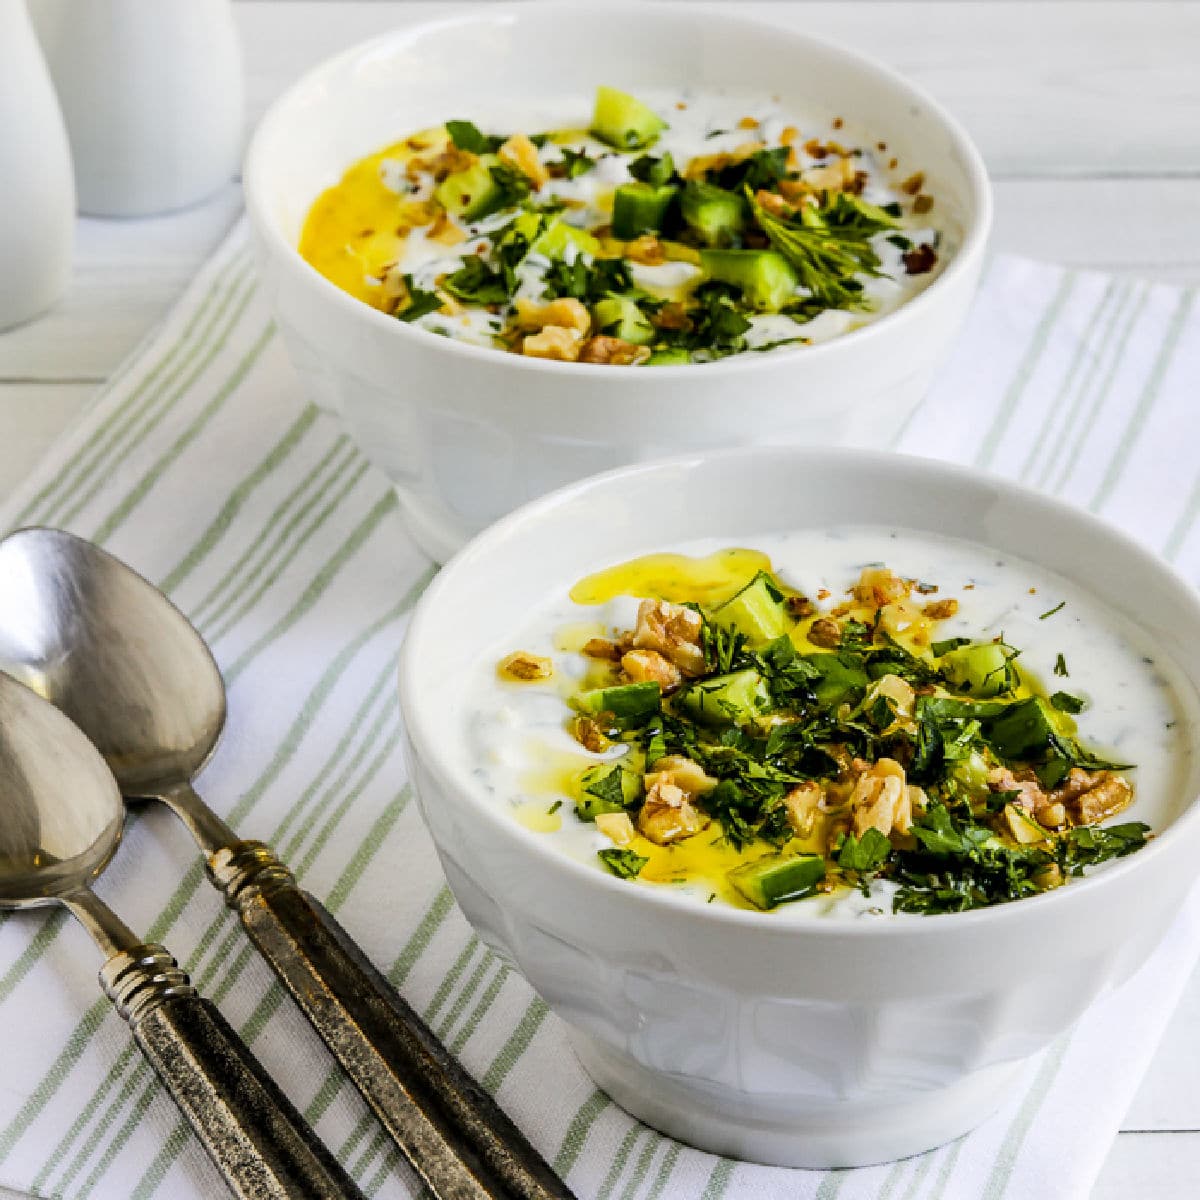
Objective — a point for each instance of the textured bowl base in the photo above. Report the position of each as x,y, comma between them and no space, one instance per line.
847,1134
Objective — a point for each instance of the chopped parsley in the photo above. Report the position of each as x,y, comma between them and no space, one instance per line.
624,864
1051,611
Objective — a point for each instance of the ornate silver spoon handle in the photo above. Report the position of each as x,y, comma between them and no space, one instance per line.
447,1125
259,1142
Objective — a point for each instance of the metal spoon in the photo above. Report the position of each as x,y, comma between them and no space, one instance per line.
60,823
116,656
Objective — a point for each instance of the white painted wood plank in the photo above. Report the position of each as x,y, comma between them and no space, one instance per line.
1145,227
1150,1166
1047,87
127,275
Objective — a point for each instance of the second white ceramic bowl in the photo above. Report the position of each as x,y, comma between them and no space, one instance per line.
468,433
816,1043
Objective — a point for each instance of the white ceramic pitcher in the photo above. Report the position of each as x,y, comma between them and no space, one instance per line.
37,194
152,95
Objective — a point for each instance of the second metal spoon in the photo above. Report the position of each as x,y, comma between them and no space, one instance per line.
87,632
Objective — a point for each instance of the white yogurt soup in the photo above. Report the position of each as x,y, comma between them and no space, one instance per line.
840,723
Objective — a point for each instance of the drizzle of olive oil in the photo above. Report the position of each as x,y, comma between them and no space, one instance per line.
357,227
536,815
678,578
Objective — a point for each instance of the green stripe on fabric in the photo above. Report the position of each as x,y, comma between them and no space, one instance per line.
465,993
1085,348
473,1021
236,501
317,587
641,1168
236,571
321,840
1069,458
1184,524
577,1132
378,833
925,1165
394,1164
892,1179
1149,395
665,1171
452,976
171,455
380,688
302,540
143,420
831,1185
718,1181
617,1167
1025,369
516,1045
946,1170
439,910
43,496
108,1114
28,958
162,1162
1006,1157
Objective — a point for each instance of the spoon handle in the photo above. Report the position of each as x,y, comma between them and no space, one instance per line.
450,1129
259,1142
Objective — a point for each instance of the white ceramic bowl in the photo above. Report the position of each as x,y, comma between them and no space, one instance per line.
815,1043
468,433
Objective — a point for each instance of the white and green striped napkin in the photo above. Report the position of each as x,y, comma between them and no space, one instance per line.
204,466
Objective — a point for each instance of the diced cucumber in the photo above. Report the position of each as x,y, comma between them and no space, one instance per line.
716,216
674,356
766,279
840,683
606,788
619,316
629,703
640,208
554,241
756,611
654,171
472,192
778,878
1022,731
728,699
971,775
982,669
623,121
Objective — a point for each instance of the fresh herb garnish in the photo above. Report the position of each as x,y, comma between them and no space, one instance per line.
1060,666
466,136
1051,611
419,303
1065,702
576,163
828,246
624,864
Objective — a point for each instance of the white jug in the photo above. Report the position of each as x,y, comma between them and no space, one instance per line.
152,95
37,194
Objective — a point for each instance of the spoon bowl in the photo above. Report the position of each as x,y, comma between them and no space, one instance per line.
113,653
49,850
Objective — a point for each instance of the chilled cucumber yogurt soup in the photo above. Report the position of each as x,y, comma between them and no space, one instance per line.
848,723
667,228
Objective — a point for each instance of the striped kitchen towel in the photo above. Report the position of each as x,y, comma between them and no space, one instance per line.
203,465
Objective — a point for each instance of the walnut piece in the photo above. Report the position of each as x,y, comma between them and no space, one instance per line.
648,666
523,667
554,342
613,352
672,630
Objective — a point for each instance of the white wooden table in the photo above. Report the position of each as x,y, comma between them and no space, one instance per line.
1088,114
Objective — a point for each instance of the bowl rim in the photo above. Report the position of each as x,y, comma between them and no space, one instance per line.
425,739
975,234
